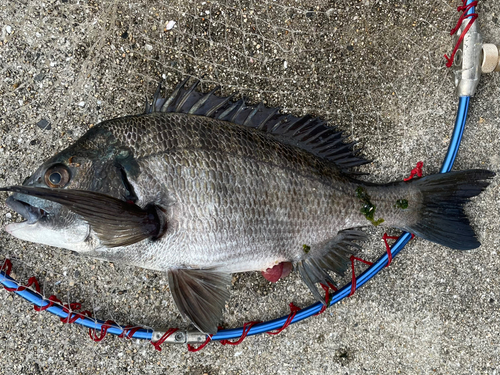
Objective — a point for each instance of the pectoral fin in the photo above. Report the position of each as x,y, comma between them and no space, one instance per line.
116,223
200,296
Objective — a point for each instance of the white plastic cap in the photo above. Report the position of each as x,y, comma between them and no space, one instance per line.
491,60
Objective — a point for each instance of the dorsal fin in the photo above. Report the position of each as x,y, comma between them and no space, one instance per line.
310,134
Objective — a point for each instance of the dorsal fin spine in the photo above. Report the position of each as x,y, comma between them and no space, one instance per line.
186,96
239,110
173,96
303,127
155,99
202,101
277,126
214,109
147,107
264,122
252,114
224,114
321,133
295,123
329,144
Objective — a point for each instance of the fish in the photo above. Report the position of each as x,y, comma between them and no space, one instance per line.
201,186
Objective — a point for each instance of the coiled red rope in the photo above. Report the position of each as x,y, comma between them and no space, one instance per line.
73,314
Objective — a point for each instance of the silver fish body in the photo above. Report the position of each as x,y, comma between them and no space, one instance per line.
201,187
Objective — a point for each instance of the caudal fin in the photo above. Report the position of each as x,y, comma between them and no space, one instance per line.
442,218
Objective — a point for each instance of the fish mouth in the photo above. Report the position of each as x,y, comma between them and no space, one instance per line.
31,213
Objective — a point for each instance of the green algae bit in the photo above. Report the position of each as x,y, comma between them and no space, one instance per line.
368,209
402,203
306,248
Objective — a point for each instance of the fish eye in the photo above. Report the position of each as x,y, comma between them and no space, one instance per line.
57,176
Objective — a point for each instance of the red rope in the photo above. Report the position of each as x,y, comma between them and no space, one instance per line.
473,16
165,336
193,349
353,282
415,171
326,288
128,331
71,309
52,299
246,329
104,330
32,280
293,311
385,237
7,264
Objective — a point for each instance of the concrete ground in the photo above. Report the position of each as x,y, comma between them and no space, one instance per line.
374,68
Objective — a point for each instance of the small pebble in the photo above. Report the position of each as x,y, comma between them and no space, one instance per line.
44,124
8,29
39,77
8,215
170,25
148,47
81,104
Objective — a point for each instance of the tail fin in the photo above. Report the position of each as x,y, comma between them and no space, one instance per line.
442,218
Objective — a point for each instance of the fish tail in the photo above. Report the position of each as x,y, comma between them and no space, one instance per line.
441,217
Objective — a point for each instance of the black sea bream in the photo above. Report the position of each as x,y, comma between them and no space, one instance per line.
201,187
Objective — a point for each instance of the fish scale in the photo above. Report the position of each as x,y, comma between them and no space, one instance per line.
201,187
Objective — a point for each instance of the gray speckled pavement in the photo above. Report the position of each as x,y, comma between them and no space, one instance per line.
374,68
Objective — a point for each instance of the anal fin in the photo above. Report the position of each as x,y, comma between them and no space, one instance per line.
200,295
335,257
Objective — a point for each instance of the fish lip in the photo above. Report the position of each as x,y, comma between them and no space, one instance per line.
31,213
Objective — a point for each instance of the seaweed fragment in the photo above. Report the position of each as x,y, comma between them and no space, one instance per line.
368,208
402,203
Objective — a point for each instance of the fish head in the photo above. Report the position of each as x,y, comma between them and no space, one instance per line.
89,166
48,222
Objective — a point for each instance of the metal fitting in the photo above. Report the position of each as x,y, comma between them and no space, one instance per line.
467,78
180,337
